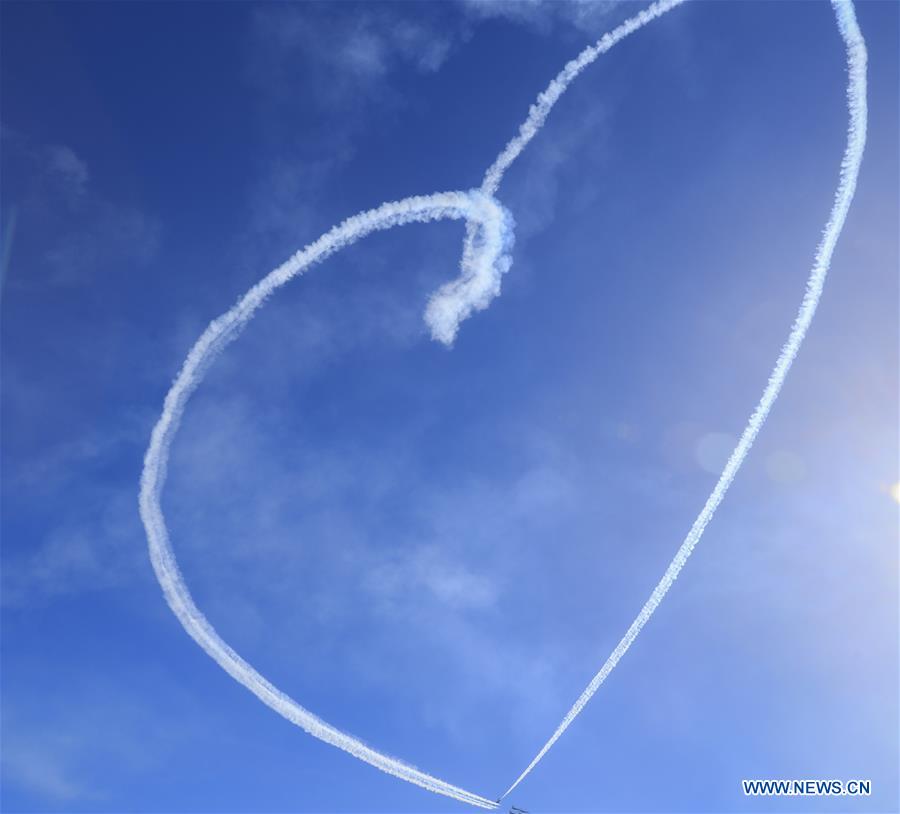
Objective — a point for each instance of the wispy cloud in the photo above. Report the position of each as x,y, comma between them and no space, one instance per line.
95,549
345,54
92,542
541,186
429,574
586,16
71,169
43,765
72,230
72,748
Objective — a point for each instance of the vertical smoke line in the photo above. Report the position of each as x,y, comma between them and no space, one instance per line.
849,173
219,333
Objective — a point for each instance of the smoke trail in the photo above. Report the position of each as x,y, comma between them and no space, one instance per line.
485,259
476,287
495,224
6,251
849,172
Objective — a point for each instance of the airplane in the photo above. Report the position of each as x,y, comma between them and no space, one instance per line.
514,809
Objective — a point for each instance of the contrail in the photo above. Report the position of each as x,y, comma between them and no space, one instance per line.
849,172
472,291
6,251
494,225
486,257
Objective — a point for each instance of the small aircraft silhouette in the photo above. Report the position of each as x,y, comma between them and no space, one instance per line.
514,809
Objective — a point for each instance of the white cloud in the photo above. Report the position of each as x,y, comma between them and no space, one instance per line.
43,766
588,16
347,55
72,169
89,736
68,230
107,236
92,542
560,158
430,575
81,555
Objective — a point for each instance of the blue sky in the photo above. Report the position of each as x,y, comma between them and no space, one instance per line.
433,549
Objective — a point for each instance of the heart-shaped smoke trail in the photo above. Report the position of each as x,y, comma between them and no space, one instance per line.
485,258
